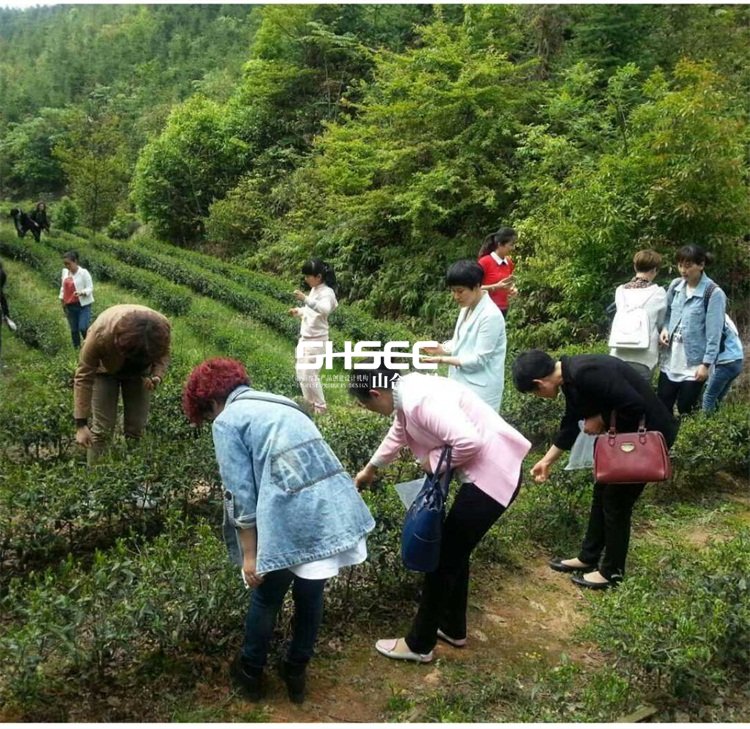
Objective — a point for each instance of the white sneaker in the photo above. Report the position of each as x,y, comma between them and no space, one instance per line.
11,324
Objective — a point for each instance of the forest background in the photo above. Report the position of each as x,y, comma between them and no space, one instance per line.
359,133
195,156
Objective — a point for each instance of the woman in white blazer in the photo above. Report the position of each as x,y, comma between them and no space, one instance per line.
476,352
76,297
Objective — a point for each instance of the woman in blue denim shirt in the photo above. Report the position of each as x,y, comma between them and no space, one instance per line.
694,324
292,516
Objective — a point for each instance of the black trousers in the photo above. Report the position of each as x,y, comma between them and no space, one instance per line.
685,394
608,530
445,592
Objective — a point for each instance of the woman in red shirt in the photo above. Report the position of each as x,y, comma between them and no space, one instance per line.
498,266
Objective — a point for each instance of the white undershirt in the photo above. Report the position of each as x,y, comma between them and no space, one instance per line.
322,569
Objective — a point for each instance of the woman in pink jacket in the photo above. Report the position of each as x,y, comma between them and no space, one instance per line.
430,413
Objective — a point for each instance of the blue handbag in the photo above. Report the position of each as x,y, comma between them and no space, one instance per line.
423,526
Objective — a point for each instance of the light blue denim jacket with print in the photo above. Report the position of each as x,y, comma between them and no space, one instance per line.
281,477
701,327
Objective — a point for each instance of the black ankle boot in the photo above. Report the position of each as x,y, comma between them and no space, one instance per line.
294,678
248,678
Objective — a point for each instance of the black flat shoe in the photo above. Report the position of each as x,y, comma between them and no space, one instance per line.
583,582
557,565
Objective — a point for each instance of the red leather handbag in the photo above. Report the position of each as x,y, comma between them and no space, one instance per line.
631,457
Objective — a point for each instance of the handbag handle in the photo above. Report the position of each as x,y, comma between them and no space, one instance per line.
443,480
445,455
612,422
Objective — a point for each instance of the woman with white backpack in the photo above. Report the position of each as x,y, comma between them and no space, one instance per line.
641,308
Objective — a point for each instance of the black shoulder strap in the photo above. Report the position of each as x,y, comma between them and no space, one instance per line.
707,294
252,395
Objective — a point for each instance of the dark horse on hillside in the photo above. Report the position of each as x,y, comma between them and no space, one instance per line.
24,224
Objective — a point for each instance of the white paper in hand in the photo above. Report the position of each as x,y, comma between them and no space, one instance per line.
408,490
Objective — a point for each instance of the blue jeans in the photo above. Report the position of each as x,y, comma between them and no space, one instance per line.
265,603
718,384
79,318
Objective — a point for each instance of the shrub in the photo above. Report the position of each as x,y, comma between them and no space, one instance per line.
136,599
65,214
35,327
682,620
709,443
123,225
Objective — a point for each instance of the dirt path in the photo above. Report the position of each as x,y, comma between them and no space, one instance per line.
514,616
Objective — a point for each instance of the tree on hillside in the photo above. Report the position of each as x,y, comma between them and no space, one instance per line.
675,172
27,164
92,157
425,158
306,62
180,173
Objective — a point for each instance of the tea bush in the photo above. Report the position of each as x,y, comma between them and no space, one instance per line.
71,623
551,515
681,621
709,443
36,327
349,320
202,281
167,297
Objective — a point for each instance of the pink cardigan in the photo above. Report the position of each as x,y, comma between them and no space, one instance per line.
432,412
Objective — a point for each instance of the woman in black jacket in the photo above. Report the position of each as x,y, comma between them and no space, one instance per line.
39,216
595,385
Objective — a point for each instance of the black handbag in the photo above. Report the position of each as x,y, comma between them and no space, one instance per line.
423,526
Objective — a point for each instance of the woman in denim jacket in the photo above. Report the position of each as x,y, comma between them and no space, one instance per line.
292,516
695,321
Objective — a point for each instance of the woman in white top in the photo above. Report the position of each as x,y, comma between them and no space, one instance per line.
641,294
313,335
76,296
476,352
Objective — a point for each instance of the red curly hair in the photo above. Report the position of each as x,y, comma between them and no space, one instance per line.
213,380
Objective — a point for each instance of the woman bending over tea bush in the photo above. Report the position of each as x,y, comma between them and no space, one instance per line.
595,387
429,414
292,516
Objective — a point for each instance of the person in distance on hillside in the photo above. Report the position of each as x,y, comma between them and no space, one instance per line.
594,387
692,335
476,352
430,413
498,267
292,517
316,307
39,216
641,293
126,349
76,295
